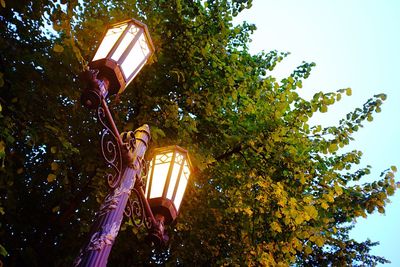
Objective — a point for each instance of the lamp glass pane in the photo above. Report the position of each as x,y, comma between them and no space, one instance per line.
182,185
160,173
148,178
136,58
174,175
128,38
108,41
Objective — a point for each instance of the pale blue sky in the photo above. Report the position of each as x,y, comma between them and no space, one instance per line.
356,44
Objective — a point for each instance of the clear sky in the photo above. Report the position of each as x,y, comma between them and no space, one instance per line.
356,44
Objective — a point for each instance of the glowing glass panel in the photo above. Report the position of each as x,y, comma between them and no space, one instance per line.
136,58
128,38
182,185
109,40
174,175
160,173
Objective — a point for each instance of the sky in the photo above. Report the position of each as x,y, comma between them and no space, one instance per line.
356,44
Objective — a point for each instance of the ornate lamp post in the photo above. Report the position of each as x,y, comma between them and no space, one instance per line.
124,50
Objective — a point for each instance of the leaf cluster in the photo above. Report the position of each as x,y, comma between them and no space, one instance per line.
269,188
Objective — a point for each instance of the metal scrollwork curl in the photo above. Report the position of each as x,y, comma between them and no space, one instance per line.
135,210
111,151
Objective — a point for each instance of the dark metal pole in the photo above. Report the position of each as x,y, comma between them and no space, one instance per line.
109,218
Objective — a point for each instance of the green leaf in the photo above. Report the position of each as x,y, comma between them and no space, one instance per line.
3,251
393,168
323,109
382,96
259,167
333,147
390,191
157,133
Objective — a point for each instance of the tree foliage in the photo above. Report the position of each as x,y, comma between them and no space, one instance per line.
269,188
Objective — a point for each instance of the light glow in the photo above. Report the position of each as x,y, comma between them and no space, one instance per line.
109,40
182,185
126,40
174,175
136,58
168,175
159,175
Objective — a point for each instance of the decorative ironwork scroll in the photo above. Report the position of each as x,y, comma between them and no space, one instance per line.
111,151
135,209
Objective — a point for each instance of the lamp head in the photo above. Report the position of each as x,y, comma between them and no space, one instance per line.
124,50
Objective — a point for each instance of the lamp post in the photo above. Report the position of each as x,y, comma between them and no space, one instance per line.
124,50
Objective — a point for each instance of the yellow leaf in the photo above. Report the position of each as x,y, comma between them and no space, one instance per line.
319,241
2,149
297,244
248,211
307,199
305,234
58,48
338,189
3,3
299,219
54,166
329,198
333,148
324,205
53,149
311,211
51,177
55,209
308,250
276,227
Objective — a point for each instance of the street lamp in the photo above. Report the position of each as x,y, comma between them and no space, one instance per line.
167,178
123,51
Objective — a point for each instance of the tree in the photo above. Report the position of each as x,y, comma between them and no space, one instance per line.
269,188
